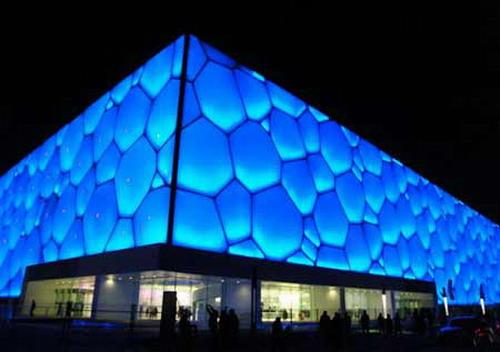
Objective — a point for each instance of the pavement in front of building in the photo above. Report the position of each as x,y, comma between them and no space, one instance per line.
49,336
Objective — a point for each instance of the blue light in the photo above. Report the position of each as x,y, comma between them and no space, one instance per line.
161,123
374,239
191,106
277,225
330,220
104,133
247,249
286,136
389,181
157,71
93,113
106,167
100,218
285,101
165,159
120,91
84,192
351,196
310,132
389,223
71,144
196,59
358,253
333,258
335,148
254,95
372,159
204,151
299,185
64,214
83,162
221,102
406,218
134,176
256,162
300,258
217,56
73,245
234,204
196,223
392,262
150,220
131,118
322,175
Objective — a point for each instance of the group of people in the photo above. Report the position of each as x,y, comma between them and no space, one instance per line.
223,326
335,331
421,322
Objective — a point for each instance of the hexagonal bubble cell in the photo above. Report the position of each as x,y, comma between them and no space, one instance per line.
104,132
286,136
390,183
277,224
83,161
157,71
330,220
256,162
191,109
131,119
299,185
45,152
92,115
64,215
374,191
311,232
406,217
100,218
221,103
374,239
372,159
73,245
197,223
392,263
404,254
150,220
234,205
50,252
254,95
165,160
134,176
197,58
335,148
300,258
285,101
71,144
204,151
310,132
389,223
332,258
246,248
122,236
163,117
309,249
358,253
322,175
84,192
351,196
120,91
217,56
107,165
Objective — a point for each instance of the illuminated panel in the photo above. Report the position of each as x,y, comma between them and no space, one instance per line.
300,188
261,174
90,187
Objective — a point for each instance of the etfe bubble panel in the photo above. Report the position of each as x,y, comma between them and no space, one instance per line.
264,175
260,174
100,184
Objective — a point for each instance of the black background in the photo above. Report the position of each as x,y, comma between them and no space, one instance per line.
411,79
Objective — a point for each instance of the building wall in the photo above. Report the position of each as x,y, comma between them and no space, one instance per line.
260,174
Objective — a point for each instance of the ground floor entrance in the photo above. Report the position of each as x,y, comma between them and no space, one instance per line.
139,297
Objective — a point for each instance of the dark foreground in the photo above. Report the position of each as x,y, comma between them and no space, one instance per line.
49,336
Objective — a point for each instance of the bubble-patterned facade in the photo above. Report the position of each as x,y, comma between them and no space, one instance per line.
260,173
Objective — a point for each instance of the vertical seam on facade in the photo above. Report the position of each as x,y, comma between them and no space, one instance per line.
177,142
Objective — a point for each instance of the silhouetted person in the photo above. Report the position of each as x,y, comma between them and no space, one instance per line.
388,325
33,307
213,316
233,326
285,315
184,329
381,323
59,312
336,331
365,323
69,308
397,325
224,328
347,324
277,335
324,327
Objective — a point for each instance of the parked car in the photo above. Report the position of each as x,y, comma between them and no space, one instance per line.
466,331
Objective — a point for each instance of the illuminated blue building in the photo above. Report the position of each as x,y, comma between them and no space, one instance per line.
193,150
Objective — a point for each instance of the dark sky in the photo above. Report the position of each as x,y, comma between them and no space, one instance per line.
411,79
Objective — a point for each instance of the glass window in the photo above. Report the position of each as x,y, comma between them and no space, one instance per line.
357,300
297,303
407,302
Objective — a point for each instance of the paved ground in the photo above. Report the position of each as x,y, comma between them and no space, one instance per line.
49,337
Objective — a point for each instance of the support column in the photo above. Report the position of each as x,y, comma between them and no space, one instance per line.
95,297
342,300
393,303
253,302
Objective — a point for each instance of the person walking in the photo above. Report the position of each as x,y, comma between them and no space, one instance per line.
213,317
324,327
365,323
32,309
388,326
381,323
276,335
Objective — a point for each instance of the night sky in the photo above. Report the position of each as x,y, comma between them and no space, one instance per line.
411,80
